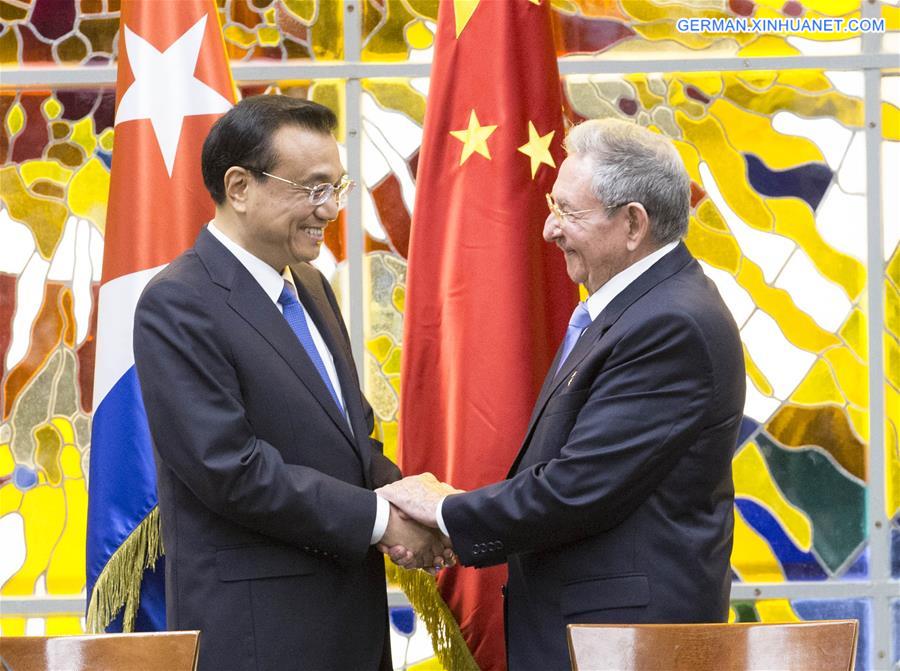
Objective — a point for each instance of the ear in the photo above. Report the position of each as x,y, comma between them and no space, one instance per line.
637,225
237,183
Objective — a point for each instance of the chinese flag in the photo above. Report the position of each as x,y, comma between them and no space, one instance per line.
173,83
487,299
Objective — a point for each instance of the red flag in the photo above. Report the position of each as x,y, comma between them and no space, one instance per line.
173,83
487,299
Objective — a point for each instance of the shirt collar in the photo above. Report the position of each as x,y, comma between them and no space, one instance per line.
268,278
598,300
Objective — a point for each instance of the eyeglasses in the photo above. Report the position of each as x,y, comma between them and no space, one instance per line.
563,215
320,193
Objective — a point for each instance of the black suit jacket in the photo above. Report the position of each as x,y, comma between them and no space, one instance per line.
618,508
264,491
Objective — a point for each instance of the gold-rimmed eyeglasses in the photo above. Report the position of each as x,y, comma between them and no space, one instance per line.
320,193
563,215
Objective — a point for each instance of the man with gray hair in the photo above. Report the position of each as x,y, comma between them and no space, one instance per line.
618,507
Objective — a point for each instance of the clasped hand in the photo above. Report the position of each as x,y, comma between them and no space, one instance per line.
412,538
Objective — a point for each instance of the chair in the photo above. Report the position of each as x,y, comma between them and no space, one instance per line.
827,645
165,651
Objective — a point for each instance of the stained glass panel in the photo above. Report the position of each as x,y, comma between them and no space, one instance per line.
55,178
410,644
69,32
392,115
400,30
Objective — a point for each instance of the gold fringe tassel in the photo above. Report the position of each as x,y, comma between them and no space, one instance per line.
119,583
422,592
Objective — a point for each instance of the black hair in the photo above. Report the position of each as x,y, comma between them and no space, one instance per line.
243,136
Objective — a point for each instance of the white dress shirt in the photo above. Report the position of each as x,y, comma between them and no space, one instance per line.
596,302
272,283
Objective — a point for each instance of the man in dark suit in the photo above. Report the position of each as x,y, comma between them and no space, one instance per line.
618,507
261,433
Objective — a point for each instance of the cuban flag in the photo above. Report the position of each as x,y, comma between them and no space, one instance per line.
173,83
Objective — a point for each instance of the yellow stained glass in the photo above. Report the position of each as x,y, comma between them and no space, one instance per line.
43,216
892,450
15,119
34,170
855,335
798,327
397,94
716,248
239,35
832,104
89,192
819,386
106,139
851,375
83,135
66,570
43,509
749,132
776,610
794,220
46,452
379,347
52,108
729,168
756,375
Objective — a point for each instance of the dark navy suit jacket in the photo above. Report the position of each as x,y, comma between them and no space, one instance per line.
264,491
618,508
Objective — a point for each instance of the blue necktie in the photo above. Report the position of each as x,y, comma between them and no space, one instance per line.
296,319
579,321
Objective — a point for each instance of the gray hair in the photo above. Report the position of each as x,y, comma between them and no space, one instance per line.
631,163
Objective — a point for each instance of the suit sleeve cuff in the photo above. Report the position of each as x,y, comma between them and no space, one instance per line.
382,513
439,514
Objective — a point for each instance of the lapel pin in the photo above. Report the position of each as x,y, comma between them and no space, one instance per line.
571,378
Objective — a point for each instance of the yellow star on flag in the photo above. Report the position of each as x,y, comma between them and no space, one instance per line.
462,12
474,138
538,149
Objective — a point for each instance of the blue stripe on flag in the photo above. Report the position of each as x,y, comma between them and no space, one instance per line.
122,490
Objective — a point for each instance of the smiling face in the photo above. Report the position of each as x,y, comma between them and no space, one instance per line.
596,244
279,224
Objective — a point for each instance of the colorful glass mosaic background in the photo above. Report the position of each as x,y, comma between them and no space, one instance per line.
778,162
85,31
398,30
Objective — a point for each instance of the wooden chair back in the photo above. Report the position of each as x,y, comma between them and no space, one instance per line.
165,651
827,645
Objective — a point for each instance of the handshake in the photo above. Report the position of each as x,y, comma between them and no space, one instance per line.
412,538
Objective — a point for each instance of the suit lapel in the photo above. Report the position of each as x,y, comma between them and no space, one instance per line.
316,303
249,301
667,266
